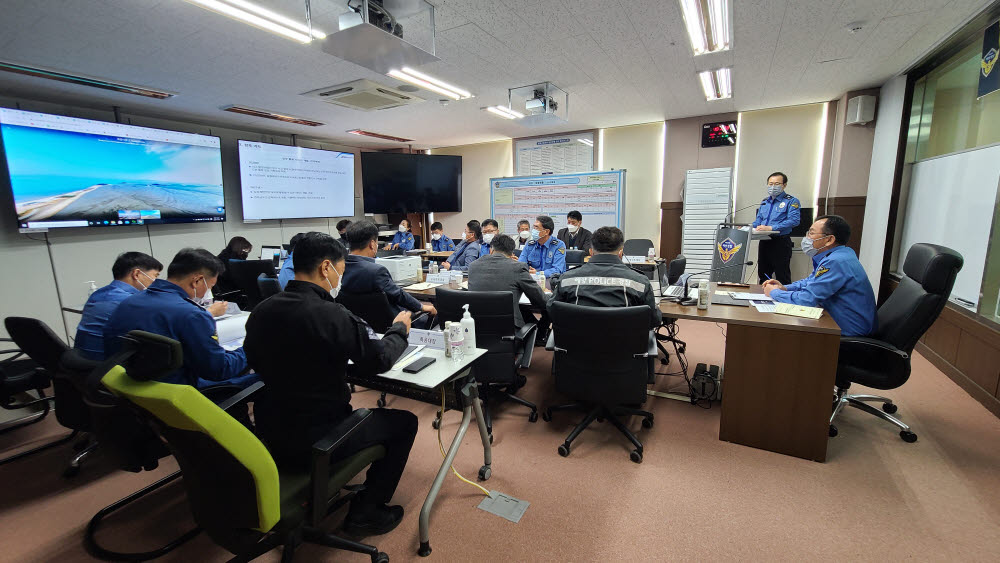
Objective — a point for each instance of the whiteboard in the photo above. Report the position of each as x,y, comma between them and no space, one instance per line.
951,203
598,196
558,154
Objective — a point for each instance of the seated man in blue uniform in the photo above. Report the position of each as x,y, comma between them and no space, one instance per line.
838,282
132,272
544,252
300,342
779,213
364,275
467,251
403,239
490,230
170,308
440,241
287,271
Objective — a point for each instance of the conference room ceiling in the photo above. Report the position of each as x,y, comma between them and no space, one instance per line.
622,61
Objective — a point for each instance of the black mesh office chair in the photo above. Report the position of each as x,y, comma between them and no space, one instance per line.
374,309
603,357
244,274
509,348
417,242
575,258
638,247
674,272
882,360
268,286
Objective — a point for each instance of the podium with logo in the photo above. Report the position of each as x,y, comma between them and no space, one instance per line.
732,247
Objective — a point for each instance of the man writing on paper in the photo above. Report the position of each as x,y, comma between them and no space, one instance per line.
300,341
838,282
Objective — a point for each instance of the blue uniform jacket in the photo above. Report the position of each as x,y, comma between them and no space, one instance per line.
780,213
165,309
101,304
287,271
484,249
404,240
465,254
443,245
549,257
363,275
839,284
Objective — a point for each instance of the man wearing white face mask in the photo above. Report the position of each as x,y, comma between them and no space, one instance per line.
490,230
133,272
573,235
171,308
778,213
300,341
440,241
523,234
838,282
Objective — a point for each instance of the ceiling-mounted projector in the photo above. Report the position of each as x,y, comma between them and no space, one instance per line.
371,34
543,103
540,103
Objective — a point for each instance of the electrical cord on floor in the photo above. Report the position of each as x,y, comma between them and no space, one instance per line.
441,446
722,329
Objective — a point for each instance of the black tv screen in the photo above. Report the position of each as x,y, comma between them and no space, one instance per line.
70,172
411,183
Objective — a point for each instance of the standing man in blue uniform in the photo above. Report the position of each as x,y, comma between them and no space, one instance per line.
132,272
440,241
363,275
838,282
287,271
403,239
778,212
468,250
544,253
490,230
171,308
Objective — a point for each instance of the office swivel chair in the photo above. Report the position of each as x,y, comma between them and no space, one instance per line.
374,309
882,360
237,493
244,274
638,247
268,286
509,348
575,258
674,272
606,370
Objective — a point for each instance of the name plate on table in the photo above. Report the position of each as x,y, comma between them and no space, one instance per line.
634,259
441,278
429,338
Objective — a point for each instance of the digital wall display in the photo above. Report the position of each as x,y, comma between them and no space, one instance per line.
721,134
411,183
71,172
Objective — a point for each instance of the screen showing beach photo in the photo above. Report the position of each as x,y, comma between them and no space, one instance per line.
69,172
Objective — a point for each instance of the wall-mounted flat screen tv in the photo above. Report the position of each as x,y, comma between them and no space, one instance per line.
411,183
284,182
70,172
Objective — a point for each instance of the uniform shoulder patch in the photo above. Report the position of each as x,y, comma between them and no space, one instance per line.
795,206
820,271
562,251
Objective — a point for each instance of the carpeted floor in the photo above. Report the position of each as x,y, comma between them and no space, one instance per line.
693,497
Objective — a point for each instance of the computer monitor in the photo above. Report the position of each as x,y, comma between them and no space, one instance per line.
272,253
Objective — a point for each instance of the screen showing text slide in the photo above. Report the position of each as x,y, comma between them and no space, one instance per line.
283,182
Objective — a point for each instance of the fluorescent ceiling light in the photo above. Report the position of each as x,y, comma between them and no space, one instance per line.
505,113
717,84
272,115
263,18
429,83
378,135
83,80
707,23
587,142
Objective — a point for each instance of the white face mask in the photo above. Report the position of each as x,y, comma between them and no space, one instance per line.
206,299
335,290
436,236
774,191
461,237
144,286
402,228
573,228
808,246
524,235
487,237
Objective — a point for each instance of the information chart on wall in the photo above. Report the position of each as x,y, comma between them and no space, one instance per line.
599,196
560,154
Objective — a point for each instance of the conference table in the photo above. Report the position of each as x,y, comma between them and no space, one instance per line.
778,376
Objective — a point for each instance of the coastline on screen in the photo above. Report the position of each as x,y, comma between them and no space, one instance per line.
288,182
71,172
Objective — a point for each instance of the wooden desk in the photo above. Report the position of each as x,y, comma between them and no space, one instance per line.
778,378
439,256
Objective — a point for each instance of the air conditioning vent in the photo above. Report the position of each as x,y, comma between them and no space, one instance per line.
363,95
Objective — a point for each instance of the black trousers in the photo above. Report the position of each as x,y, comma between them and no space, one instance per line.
773,258
395,430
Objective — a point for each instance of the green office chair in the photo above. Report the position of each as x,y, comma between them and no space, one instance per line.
237,493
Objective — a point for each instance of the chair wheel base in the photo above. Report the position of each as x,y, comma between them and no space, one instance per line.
436,423
563,450
380,558
889,408
647,423
485,473
533,417
635,456
908,437
380,403
547,415
833,431
425,549
71,471
491,438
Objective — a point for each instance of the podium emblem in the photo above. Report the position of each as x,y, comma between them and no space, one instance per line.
728,249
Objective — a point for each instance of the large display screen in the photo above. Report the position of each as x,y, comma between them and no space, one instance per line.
69,172
411,183
283,182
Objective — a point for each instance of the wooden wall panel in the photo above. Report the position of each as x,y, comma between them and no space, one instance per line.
943,338
850,208
670,229
979,362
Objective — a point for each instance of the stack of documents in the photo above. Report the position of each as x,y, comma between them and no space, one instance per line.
799,310
422,286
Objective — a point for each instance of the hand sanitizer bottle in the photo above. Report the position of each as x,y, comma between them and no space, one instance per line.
468,331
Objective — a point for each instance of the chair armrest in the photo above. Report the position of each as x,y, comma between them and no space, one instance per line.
521,333
321,452
862,344
550,342
238,395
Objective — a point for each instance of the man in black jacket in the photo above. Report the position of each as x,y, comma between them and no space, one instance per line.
574,236
299,342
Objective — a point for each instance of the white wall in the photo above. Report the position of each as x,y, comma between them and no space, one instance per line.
81,254
883,170
639,150
480,162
